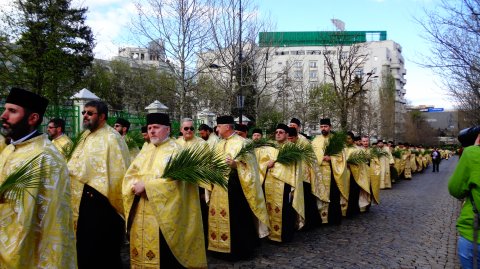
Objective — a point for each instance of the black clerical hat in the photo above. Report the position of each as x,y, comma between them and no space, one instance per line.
28,100
123,122
225,120
204,127
257,131
241,127
158,118
325,122
282,126
296,121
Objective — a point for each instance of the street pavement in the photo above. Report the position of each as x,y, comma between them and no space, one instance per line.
413,227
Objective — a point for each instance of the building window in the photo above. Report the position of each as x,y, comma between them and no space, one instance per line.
298,75
298,52
298,64
359,72
279,63
314,52
313,75
313,64
344,55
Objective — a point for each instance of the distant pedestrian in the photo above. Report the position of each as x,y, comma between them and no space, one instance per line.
436,159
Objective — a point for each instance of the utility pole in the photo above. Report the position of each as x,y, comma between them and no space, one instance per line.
240,56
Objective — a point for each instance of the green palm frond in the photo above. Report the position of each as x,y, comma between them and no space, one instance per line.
377,153
134,139
25,177
70,148
252,145
359,157
336,143
291,153
427,152
416,152
397,153
197,164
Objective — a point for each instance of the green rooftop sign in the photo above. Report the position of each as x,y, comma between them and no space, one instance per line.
324,38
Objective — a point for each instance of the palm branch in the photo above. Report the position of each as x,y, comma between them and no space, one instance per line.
416,152
25,177
134,140
397,153
68,149
377,153
291,153
336,143
197,164
427,152
358,157
252,145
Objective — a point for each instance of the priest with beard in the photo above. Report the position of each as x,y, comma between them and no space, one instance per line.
97,167
331,173
236,214
164,219
36,232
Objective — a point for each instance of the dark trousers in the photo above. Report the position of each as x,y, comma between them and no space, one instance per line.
436,164
100,232
334,208
312,216
243,232
354,194
288,216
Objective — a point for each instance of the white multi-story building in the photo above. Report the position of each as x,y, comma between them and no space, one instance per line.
300,58
152,56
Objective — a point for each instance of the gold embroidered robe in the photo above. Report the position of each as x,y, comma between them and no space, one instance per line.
172,207
219,216
361,176
3,143
322,180
212,140
100,161
408,164
275,180
375,170
61,143
385,177
38,231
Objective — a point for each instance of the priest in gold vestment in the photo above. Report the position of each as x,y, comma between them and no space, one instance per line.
36,232
331,171
235,214
55,130
97,168
283,188
165,222
359,195
385,163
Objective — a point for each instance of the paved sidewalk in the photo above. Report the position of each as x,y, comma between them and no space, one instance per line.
413,227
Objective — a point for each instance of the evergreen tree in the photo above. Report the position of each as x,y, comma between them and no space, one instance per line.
53,45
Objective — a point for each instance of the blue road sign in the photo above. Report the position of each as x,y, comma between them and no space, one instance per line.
435,109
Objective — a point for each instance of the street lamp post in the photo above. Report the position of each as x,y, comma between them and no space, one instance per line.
240,56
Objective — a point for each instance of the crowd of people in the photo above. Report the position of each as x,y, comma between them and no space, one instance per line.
100,203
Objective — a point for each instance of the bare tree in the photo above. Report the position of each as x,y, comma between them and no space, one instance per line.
234,60
344,69
454,31
182,27
420,132
387,106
